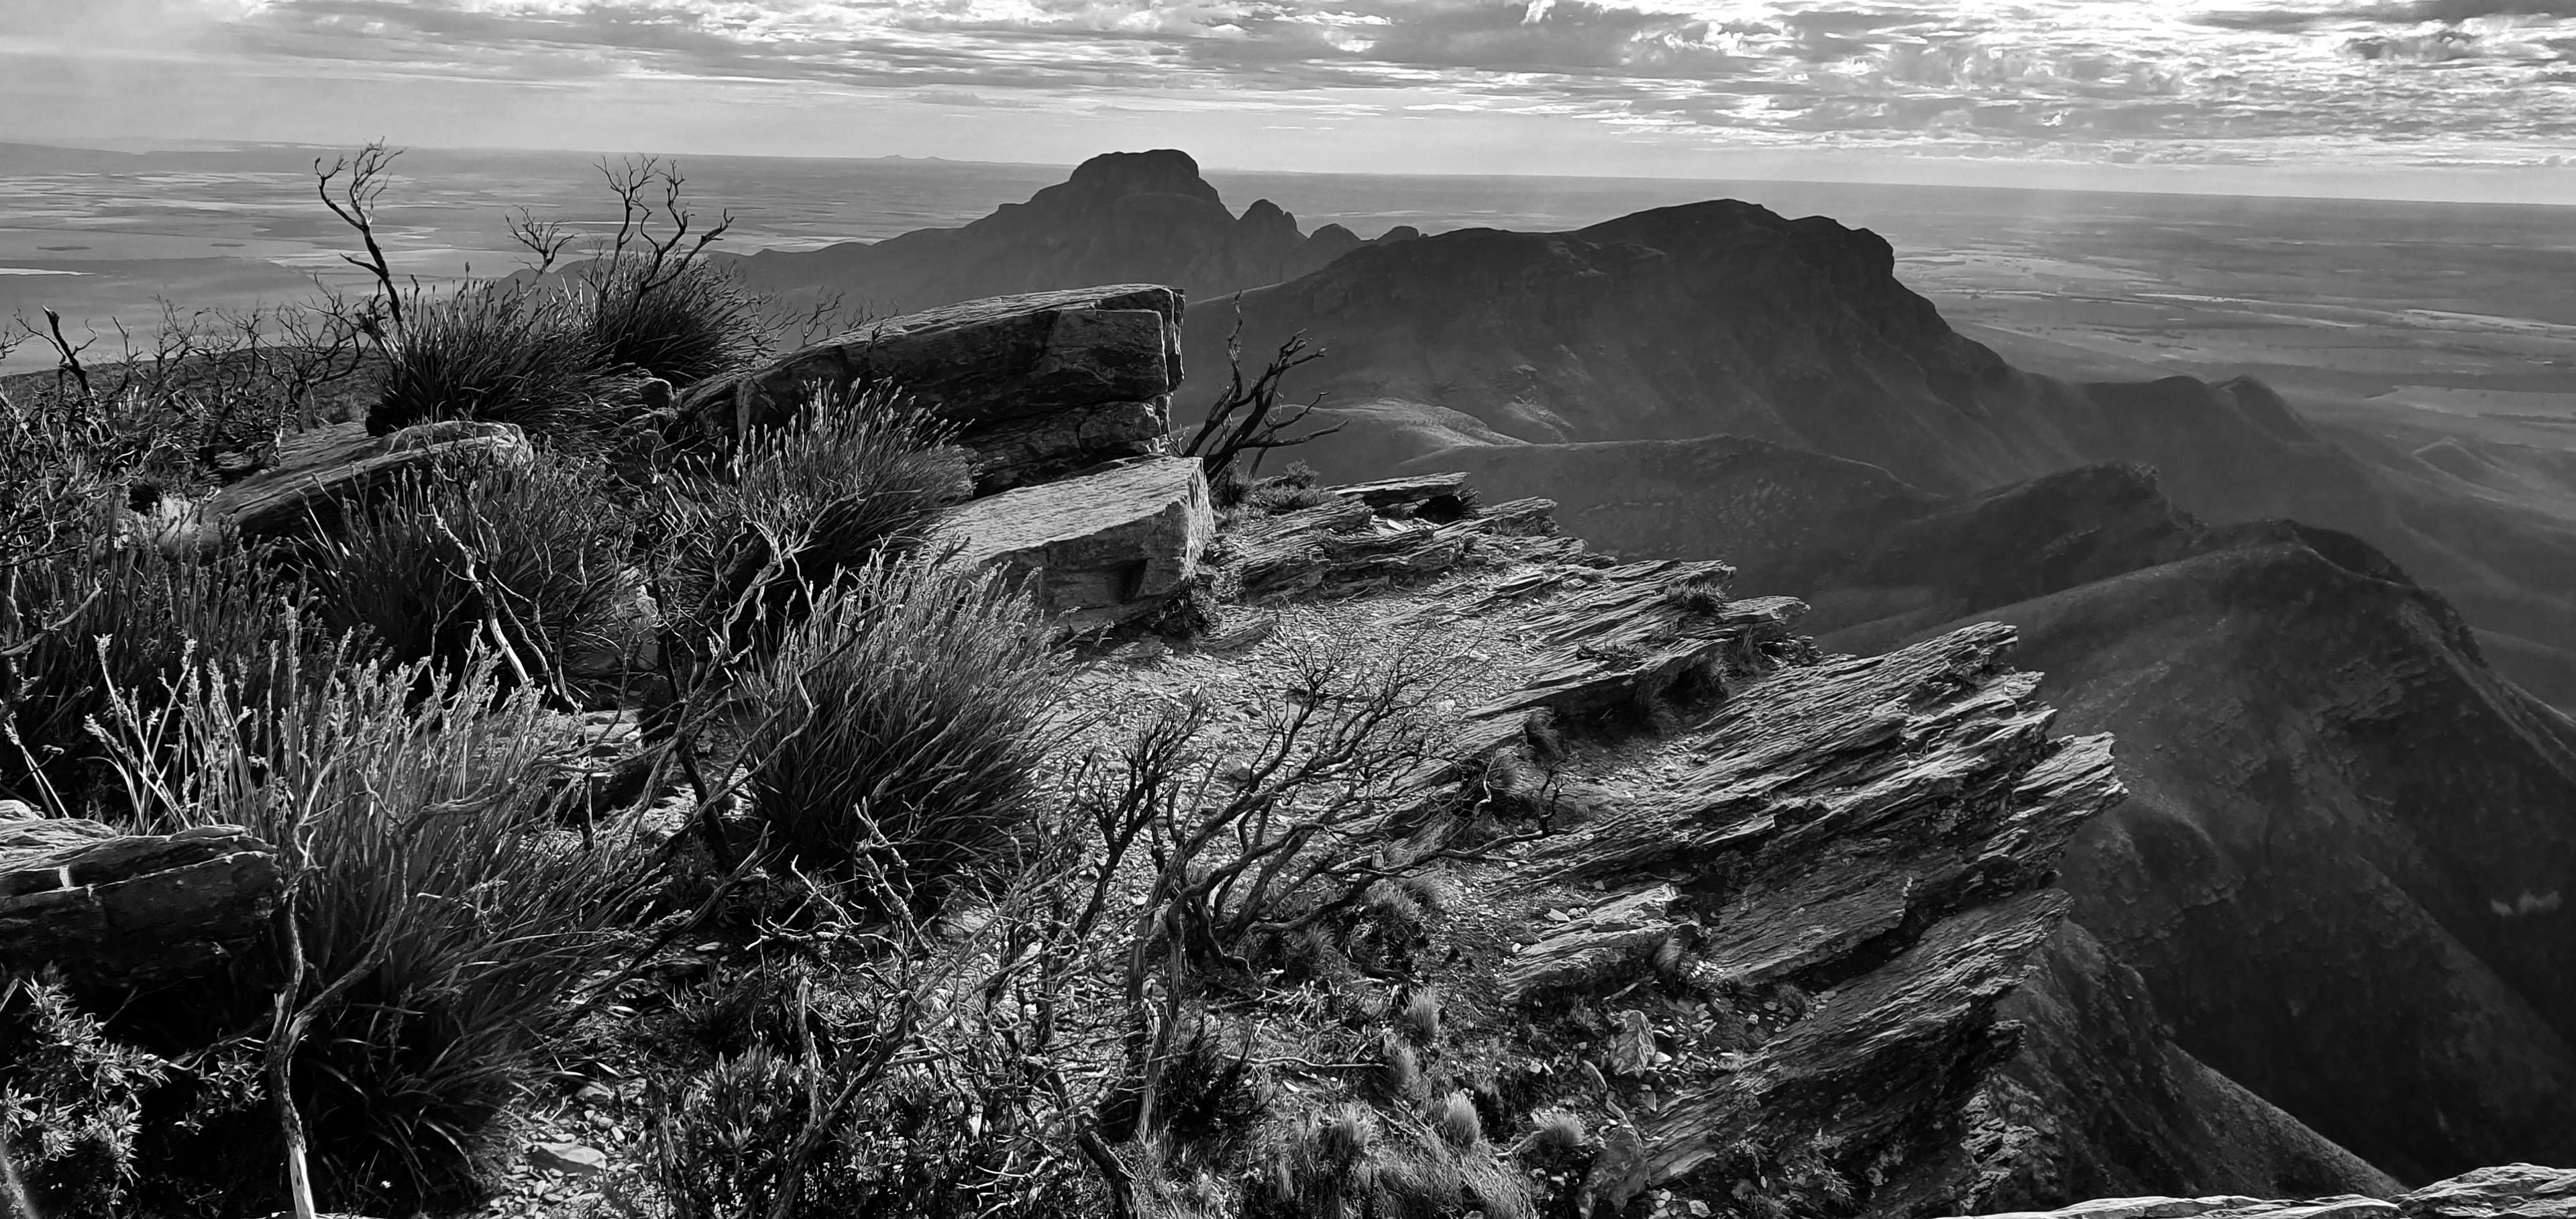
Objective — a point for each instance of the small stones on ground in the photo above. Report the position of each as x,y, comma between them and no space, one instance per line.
575,1159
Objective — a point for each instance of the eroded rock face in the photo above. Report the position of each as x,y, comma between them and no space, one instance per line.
1039,384
1851,856
1097,549
127,910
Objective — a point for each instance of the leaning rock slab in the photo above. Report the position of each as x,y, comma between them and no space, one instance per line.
320,471
1097,549
126,910
1038,383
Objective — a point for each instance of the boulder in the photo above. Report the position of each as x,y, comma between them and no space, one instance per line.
2510,1191
318,471
1038,383
129,910
1099,548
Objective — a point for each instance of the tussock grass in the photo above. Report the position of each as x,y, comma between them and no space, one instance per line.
88,623
501,351
854,479
909,713
683,323
534,557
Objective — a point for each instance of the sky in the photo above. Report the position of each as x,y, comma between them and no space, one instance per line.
2428,98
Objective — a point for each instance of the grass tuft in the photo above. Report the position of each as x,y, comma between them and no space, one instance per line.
908,715
427,869
500,351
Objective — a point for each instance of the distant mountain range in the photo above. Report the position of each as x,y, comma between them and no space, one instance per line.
1126,216
2341,876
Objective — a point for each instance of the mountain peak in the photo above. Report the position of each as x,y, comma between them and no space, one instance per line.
1159,171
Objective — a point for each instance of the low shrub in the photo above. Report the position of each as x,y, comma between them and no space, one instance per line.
908,715
71,1103
501,351
425,874
447,559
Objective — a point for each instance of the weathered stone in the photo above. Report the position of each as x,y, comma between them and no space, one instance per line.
321,470
124,910
1434,497
979,363
1017,452
1348,546
1098,549
571,1159
2508,1191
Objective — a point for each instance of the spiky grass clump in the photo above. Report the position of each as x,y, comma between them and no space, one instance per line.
97,620
425,866
500,351
853,479
682,322
448,558
1421,1014
908,715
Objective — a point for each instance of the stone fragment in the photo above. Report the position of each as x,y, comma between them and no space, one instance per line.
1098,549
571,1159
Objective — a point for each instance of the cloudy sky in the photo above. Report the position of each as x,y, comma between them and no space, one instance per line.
2358,91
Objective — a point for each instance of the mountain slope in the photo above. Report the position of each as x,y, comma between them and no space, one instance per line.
1723,318
2341,868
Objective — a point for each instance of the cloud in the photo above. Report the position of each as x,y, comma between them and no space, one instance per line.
2120,79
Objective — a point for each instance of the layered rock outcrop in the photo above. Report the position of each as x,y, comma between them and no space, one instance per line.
2509,1191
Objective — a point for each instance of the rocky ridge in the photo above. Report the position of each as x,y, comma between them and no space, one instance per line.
2510,1191
1756,916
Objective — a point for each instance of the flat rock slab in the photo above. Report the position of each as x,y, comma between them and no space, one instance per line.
1097,549
980,363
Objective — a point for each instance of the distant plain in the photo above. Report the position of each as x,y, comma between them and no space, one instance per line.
2413,322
